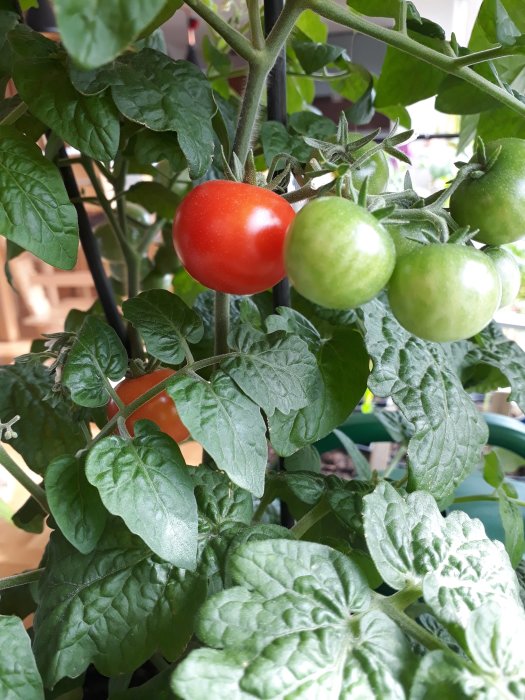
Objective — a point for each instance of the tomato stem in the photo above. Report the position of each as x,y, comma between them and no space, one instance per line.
254,14
308,520
21,579
24,479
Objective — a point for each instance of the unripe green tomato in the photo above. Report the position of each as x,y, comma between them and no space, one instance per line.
495,202
403,244
337,254
375,168
444,292
508,271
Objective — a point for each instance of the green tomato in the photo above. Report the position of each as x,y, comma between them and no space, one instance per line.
337,254
444,292
375,168
508,271
398,231
495,202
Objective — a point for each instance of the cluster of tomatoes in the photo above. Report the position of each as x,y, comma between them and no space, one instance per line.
240,239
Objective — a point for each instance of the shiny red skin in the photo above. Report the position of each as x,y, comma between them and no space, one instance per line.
229,236
160,409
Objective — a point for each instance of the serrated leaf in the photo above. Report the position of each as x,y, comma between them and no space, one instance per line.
153,146
451,559
114,606
493,348
96,356
344,367
35,212
306,459
492,471
449,431
441,675
305,630
165,95
45,430
146,482
19,677
89,123
227,424
291,321
75,504
95,34
165,323
276,371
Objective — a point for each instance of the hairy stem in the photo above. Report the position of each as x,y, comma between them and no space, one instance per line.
24,479
231,36
349,18
486,497
254,14
20,579
222,322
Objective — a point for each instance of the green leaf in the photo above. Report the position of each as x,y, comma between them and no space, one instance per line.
165,323
153,146
310,124
146,482
361,465
114,607
19,677
157,687
96,355
46,429
305,459
89,123
276,371
154,197
165,95
492,471
443,675
311,24
96,34
450,559
405,79
300,93
344,366
493,348
227,424
313,56
305,630
512,520
455,96
30,517
35,212
90,82
449,431
75,504
276,139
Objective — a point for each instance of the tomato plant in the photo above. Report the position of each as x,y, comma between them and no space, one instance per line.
495,202
337,254
160,409
508,271
444,292
230,235
151,566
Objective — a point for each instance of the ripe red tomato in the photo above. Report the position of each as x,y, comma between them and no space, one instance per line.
229,236
160,409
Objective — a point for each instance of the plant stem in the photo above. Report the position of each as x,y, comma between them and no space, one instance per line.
402,17
254,14
486,497
311,518
391,607
20,579
251,101
151,393
230,35
349,18
485,55
17,112
395,461
222,322
24,479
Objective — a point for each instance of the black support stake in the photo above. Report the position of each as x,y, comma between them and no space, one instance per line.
276,100
91,251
